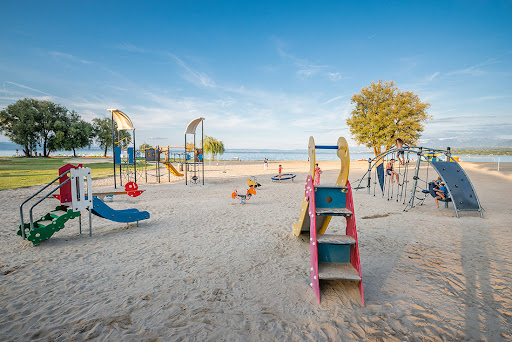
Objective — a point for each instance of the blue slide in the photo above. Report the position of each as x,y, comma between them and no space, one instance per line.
128,215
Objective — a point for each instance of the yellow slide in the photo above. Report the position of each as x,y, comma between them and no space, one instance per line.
172,170
322,221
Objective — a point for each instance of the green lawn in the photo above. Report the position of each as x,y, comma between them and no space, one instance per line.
23,172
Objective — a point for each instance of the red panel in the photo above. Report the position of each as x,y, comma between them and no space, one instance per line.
351,231
65,190
310,196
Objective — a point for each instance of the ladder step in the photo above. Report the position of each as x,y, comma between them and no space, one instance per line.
333,212
335,239
331,187
58,213
44,223
330,271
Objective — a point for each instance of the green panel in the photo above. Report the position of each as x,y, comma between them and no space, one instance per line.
333,253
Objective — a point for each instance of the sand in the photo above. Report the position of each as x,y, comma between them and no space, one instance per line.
207,268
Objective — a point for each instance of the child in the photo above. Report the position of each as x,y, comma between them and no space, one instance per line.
390,171
265,164
400,152
280,170
437,183
317,175
441,193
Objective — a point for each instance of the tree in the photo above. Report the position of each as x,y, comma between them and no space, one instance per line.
144,146
18,122
212,146
49,115
72,133
102,129
383,113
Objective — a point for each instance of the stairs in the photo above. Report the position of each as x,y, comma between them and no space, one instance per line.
333,257
48,224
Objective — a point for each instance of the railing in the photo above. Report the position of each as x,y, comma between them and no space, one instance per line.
43,198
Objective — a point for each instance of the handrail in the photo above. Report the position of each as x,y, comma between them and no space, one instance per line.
34,195
42,199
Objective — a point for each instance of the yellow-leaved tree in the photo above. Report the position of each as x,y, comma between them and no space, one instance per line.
383,113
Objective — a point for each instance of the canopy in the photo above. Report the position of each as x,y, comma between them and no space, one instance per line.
122,120
191,128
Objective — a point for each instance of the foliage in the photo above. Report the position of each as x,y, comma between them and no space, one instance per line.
19,123
23,172
190,146
144,146
383,113
102,129
213,146
72,133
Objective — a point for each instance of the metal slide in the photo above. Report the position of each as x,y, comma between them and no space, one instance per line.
128,215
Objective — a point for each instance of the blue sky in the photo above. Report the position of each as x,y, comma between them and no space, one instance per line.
264,74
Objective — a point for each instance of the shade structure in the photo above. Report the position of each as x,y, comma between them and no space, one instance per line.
122,120
191,128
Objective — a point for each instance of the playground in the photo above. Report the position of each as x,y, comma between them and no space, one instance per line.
205,267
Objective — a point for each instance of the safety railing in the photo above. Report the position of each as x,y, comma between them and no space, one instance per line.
42,199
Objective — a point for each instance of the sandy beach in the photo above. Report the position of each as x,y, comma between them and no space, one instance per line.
206,268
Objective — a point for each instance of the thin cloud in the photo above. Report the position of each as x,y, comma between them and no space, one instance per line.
194,76
68,56
434,75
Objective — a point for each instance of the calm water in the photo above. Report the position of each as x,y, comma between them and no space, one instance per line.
274,155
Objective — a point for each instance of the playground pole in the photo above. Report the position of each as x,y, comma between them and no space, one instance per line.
202,145
114,149
134,156
186,161
369,174
416,173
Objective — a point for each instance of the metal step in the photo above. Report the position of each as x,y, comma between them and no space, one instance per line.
330,271
333,239
333,212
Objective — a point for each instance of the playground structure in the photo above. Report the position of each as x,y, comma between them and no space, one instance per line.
198,160
460,189
75,195
332,257
154,156
129,163
244,198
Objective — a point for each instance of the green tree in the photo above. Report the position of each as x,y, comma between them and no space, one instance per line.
49,115
383,113
73,133
144,146
212,146
102,129
19,123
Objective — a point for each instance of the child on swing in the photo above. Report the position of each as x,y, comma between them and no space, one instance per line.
441,193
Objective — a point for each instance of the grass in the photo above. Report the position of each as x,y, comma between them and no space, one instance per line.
23,172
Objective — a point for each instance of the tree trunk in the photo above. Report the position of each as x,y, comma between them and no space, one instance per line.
74,152
26,150
105,154
44,149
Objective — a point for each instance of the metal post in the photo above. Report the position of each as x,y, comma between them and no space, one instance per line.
80,224
114,150
369,174
202,147
90,222
186,161
134,156
416,173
